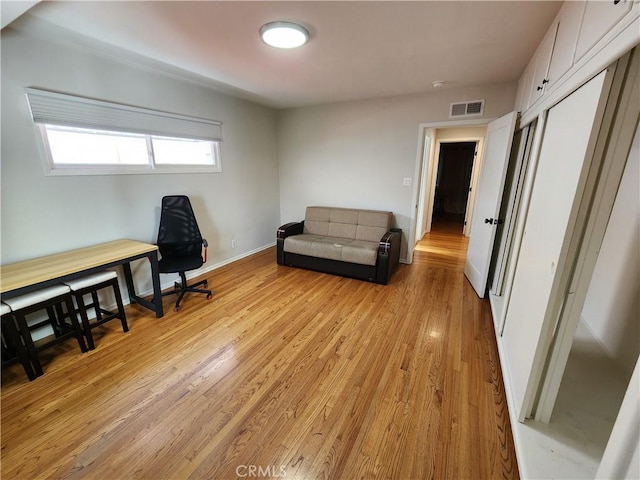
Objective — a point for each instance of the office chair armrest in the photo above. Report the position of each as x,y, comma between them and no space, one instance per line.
205,244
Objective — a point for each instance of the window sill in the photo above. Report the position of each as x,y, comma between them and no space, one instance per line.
120,170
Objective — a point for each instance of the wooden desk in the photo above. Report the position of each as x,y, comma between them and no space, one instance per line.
30,275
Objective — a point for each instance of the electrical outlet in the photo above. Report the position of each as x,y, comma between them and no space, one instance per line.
234,244
406,181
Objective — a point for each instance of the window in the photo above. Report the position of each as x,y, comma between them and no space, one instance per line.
183,151
79,150
84,136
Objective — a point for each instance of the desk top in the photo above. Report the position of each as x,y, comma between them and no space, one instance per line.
36,270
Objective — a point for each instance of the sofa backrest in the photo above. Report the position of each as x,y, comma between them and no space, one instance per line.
368,225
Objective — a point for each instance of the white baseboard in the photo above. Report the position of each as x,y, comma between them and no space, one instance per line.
205,269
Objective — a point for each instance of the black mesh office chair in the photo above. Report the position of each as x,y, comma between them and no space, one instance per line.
181,245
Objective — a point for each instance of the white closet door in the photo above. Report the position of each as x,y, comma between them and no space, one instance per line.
556,191
487,204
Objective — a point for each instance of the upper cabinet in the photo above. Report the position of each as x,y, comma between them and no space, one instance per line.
542,60
598,19
524,88
569,19
578,28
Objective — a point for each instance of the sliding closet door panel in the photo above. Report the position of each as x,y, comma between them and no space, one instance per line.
556,190
509,210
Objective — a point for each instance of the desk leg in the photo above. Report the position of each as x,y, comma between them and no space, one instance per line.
128,278
156,303
155,278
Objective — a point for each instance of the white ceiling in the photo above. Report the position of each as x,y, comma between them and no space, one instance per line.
357,49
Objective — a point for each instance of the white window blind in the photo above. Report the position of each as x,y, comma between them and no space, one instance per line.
53,108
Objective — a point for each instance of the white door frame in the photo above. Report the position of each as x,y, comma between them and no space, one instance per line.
425,163
427,153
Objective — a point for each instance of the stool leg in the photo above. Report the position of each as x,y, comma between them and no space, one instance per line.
96,305
55,320
74,323
123,316
15,340
30,346
82,309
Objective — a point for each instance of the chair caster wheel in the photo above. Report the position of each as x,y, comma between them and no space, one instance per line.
210,296
206,284
176,309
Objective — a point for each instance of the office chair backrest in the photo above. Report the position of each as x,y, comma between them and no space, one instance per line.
178,233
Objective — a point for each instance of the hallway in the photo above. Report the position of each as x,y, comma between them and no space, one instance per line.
444,246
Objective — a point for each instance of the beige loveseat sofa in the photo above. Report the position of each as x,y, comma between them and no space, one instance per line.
349,242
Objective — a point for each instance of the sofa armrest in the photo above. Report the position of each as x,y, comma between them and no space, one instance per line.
292,228
286,230
388,255
384,247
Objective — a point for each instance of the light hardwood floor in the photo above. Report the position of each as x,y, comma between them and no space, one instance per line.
285,373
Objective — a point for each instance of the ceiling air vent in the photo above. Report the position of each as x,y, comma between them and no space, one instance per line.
473,108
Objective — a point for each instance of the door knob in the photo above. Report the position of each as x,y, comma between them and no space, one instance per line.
489,221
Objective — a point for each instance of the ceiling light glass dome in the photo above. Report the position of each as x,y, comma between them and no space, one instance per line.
284,34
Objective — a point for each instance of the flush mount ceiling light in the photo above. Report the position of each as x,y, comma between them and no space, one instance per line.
284,34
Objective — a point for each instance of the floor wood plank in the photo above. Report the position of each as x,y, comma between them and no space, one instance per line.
286,373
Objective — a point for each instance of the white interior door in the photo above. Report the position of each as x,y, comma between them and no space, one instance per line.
487,202
559,181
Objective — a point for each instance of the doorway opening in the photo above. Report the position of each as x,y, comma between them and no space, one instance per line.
452,189
431,137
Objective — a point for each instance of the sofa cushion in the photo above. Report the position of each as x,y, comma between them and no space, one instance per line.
333,248
342,230
316,220
366,225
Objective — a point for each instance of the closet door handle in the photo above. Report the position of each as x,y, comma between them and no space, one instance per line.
489,221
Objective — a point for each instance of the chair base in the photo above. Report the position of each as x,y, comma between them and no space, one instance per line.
181,288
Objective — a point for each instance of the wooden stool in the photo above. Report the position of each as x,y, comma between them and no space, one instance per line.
45,299
91,284
13,348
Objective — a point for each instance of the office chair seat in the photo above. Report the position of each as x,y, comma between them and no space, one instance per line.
178,263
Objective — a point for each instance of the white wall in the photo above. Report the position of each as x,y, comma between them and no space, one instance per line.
460,134
45,214
356,154
612,307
